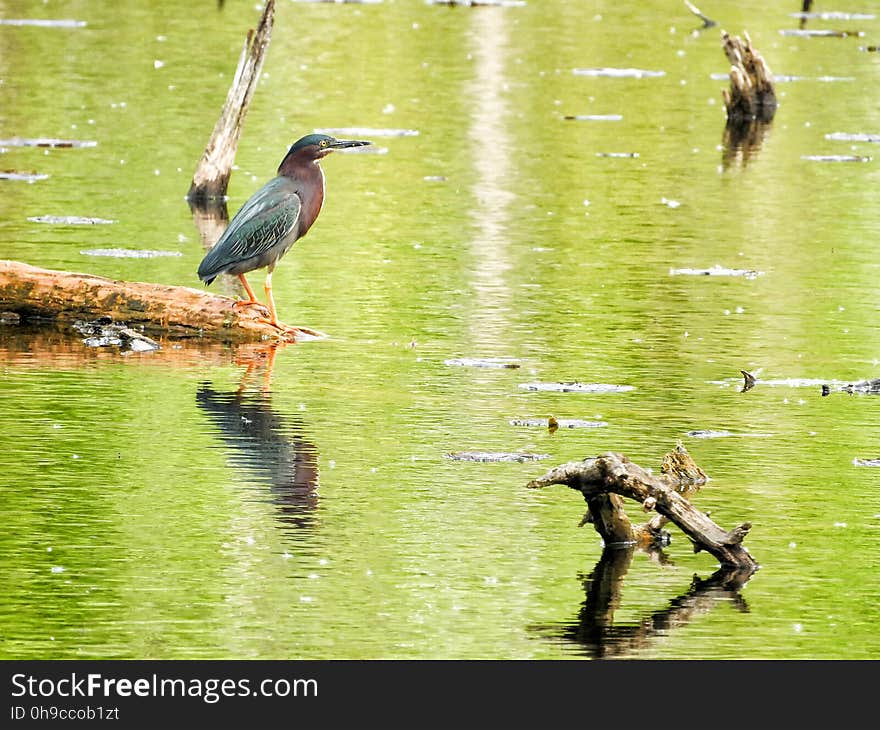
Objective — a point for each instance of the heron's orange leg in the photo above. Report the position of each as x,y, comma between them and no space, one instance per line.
273,315
251,301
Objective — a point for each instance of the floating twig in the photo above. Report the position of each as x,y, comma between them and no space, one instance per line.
707,22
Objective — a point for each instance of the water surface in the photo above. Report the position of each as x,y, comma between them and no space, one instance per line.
211,501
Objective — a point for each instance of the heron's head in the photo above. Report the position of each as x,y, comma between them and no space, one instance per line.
316,146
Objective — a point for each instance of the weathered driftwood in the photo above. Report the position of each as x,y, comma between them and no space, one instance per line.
752,92
212,174
35,293
604,479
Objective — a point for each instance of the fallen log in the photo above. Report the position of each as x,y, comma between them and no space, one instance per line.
212,174
35,293
604,479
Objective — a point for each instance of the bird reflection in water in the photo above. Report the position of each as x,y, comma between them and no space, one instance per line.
267,447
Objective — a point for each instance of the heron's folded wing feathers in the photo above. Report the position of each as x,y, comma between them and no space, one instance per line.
268,217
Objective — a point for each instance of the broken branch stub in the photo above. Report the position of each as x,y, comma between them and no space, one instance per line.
752,94
604,479
212,174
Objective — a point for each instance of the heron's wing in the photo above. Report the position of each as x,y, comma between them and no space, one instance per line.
269,216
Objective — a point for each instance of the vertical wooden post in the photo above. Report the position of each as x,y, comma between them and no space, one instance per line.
212,174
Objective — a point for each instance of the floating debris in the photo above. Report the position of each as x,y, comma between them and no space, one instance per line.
478,3
554,423
486,456
7,318
866,462
619,73
26,176
434,178
594,117
368,132
787,78
709,434
342,2
821,33
836,158
670,203
867,387
749,383
128,253
817,78
720,434
631,155
46,142
832,15
780,382
483,362
70,220
575,387
102,332
853,137
44,23
717,270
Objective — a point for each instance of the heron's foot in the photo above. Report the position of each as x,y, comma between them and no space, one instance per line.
241,303
293,333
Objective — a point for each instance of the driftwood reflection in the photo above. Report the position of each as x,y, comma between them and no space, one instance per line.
268,448
210,216
742,140
594,628
805,8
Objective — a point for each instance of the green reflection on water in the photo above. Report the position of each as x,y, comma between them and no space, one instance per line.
175,542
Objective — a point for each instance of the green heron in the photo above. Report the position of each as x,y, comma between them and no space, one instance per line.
273,219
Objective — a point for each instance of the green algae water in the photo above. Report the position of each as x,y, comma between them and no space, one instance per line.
207,501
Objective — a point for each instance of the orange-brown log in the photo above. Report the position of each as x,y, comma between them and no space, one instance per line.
35,293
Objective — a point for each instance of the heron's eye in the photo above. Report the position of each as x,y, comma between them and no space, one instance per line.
324,142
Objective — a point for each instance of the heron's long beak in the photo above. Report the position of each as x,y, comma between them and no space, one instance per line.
338,144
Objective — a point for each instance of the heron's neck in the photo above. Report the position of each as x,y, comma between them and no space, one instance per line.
311,192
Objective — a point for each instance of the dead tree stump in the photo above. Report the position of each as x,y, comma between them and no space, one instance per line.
752,94
212,174
604,479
